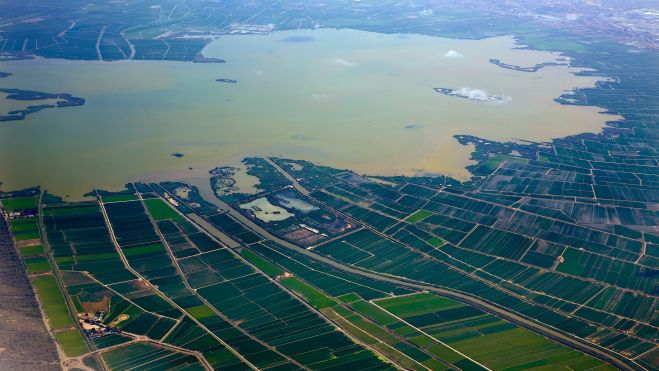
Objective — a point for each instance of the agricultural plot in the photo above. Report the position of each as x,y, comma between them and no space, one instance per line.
459,233
366,249
336,284
493,342
25,229
274,256
310,294
94,275
80,241
149,356
72,343
130,223
266,312
53,302
615,272
383,340
159,209
377,220
416,344
496,242
418,215
244,308
232,228
19,203
83,242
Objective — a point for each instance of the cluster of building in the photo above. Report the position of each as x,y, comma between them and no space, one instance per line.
170,199
258,29
93,327
19,214
283,275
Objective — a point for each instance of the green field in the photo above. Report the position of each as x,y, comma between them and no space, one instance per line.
31,250
160,210
435,241
378,338
310,294
349,298
72,343
25,229
144,249
498,159
200,312
419,215
19,203
37,265
53,302
262,264
408,339
571,264
143,356
488,340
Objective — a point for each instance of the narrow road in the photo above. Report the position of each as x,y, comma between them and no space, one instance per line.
98,43
288,176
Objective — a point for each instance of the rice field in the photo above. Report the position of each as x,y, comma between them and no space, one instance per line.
489,340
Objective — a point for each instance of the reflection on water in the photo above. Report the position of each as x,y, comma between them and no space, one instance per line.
344,98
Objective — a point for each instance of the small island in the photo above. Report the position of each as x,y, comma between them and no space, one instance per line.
14,56
63,100
535,68
199,58
222,180
228,81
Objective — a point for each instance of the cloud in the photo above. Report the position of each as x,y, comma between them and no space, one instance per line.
453,54
475,94
572,16
344,62
481,95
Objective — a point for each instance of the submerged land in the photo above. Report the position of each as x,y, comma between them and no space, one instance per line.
348,241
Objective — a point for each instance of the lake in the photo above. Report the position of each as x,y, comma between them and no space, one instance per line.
344,98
